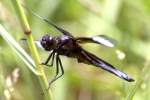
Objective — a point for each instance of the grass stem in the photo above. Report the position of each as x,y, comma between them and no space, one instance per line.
27,31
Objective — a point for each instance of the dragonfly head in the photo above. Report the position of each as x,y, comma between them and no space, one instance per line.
47,42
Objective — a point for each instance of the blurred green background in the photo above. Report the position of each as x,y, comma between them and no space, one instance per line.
126,21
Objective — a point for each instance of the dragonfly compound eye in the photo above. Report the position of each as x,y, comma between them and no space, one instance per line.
47,42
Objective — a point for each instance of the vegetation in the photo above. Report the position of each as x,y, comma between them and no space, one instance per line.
22,77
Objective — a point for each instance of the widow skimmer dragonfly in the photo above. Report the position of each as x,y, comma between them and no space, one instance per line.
68,45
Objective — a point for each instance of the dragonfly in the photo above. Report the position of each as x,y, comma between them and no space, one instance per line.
69,46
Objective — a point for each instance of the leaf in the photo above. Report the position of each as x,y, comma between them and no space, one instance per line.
18,49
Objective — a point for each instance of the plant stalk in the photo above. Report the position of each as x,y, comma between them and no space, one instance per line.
27,31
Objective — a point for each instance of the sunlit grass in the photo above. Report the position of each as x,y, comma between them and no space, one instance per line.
125,21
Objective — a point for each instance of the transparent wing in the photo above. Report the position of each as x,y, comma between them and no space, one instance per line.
37,43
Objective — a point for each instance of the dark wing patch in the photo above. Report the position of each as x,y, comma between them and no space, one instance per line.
99,39
50,23
58,28
92,59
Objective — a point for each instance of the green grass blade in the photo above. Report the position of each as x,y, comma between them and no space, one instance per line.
18,49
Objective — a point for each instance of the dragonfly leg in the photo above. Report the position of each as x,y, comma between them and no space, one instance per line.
58,64
61,67
52,62
52,55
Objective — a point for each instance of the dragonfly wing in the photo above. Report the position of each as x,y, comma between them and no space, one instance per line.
92,59
99,39
50,23
64,32
38,44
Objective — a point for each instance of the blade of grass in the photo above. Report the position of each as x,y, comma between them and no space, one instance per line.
17,48
27,31
144,72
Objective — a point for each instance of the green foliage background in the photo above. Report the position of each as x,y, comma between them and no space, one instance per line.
125,21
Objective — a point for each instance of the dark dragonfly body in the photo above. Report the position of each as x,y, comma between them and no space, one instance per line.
68,45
